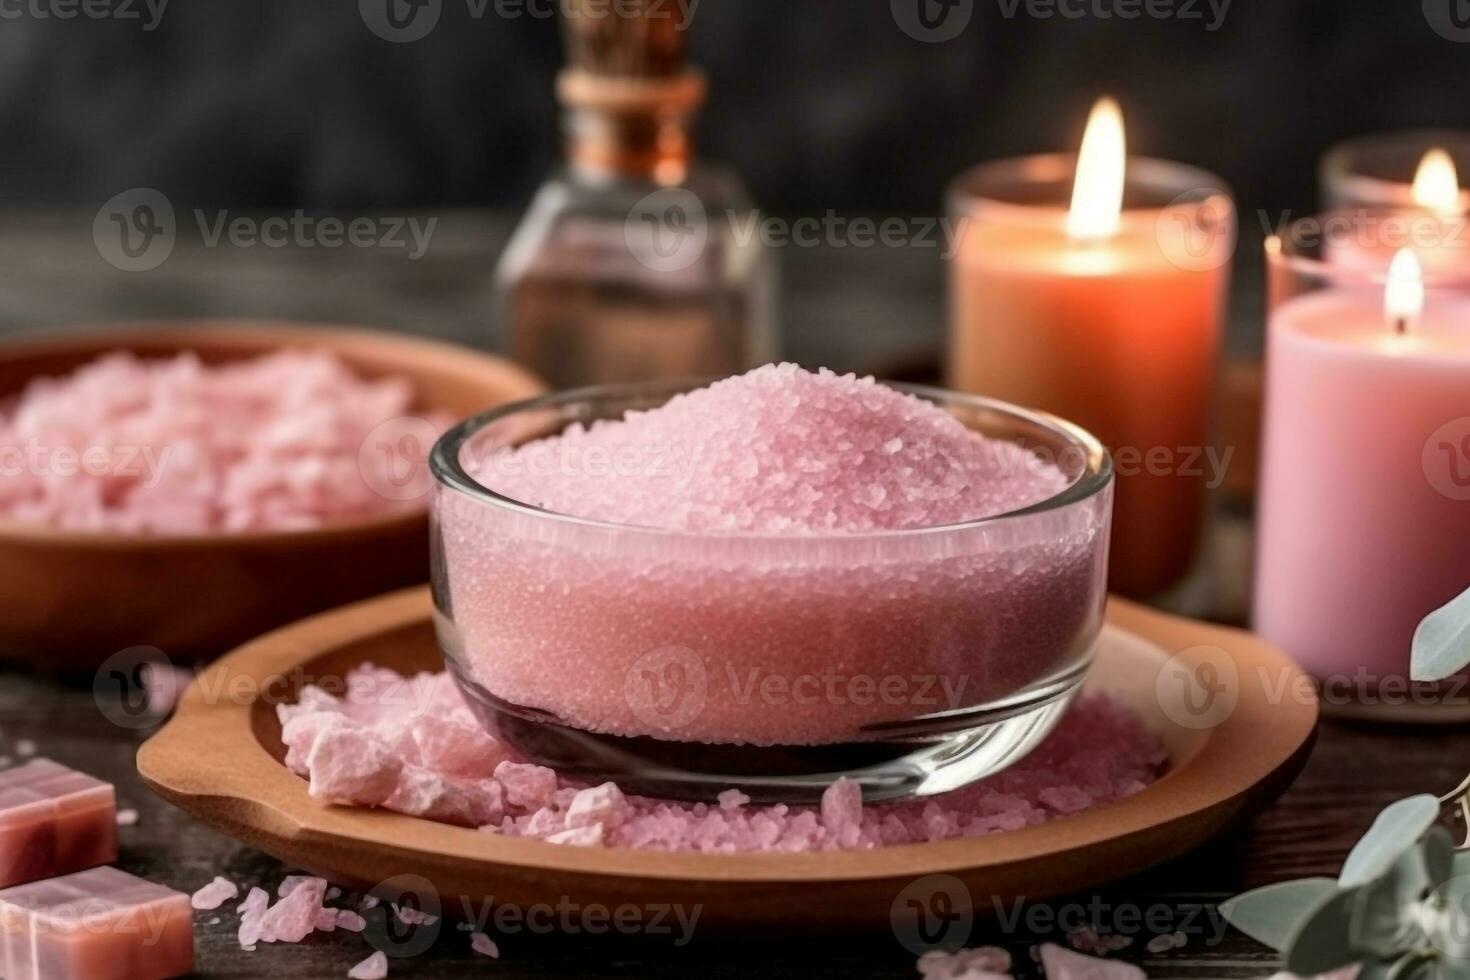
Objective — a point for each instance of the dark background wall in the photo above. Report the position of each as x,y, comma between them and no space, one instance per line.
820,103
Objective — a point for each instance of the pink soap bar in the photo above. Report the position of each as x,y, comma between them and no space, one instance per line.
53,821
102,924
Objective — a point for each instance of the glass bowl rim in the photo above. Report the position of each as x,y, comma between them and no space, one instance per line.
449,472
1281,252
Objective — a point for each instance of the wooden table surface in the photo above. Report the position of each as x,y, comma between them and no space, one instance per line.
853,309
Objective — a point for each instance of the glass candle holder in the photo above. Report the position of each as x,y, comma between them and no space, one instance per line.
1364,505
682,664
1378,171
1121,334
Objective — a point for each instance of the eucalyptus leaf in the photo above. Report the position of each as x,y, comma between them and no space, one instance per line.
1382,925
1272,915
1325,940
1441,645
1396,829
1440,858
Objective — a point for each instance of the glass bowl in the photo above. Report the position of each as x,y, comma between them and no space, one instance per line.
682,664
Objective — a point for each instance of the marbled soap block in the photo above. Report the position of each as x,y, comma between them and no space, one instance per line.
101,924
53,821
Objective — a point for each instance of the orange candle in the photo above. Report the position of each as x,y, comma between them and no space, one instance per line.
1094,287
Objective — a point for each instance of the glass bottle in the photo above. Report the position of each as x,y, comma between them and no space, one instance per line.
633,262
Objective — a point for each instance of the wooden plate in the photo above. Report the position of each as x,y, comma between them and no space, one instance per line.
1232,751
196,596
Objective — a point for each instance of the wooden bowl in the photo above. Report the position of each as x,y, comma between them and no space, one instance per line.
220,759
69,599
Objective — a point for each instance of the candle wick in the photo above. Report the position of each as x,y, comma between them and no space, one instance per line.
1401,325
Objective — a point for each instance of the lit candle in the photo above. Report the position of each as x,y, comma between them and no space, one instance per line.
1432,223
1365,497
1094,289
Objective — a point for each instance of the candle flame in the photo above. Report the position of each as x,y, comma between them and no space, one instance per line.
1436,184
1403,295
1097,194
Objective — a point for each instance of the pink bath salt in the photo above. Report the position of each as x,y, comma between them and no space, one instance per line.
421,792
175,446
375,967
796,616
326,920
526,786
457,746
213,895
350,921
127,817
352,766
411,916
484,945
1061,963
732,799
842,811
591,835
779,450
94,924
980,963
603,805
294,917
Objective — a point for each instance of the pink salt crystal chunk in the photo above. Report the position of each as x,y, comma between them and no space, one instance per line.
526,786
842,810
484,945
424,793
97,923
350,921
352,766
456,746
589,836
1061,963
603,805
375,967
53,821
980,963
213,895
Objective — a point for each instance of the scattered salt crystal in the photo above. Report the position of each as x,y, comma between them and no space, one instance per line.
350,921
333,893
213,895
842,811
269,443
411,916
980,963
127,817
163,685
1061,963
732,799
484,945
368,902
25,748
375,967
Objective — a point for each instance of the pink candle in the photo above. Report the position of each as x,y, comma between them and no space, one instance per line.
1364,505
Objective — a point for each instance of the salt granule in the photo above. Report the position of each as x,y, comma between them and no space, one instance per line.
213,895
375,967
1099,751
1061,963
484,945
785,490
176,446
980,963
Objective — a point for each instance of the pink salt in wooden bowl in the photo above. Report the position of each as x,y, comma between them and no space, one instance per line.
69,599
1231,752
